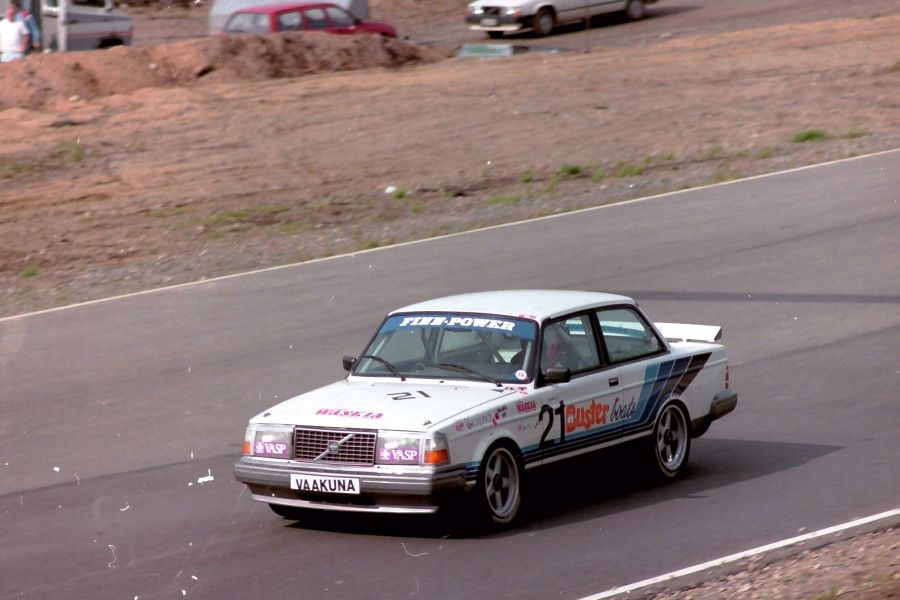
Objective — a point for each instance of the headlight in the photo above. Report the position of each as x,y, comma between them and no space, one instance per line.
396,448
512,10
476,10
270,441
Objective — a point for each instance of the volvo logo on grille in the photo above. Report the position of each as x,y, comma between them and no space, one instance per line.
334,446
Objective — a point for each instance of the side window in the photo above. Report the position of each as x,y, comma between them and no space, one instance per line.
339,18
290,21
626,334
247,23
315,19
569,344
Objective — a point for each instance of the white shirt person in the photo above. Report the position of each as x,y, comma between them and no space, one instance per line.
14,37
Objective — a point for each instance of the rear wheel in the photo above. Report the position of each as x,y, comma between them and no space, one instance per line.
543,22
634,10
499,485
671,441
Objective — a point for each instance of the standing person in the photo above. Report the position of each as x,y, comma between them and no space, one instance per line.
14,38
26,17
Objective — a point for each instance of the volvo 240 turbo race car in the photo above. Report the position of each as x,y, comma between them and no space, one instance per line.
467,393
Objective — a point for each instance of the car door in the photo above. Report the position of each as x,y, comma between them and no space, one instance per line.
574,415
647,374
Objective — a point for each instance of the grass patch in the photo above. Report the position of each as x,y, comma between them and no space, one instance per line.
28,271
724,174
527,177
570,170
808,135
399,194
854,134
764,152
598,175
504,200
714,152
629,170
668,156
261,215
553,183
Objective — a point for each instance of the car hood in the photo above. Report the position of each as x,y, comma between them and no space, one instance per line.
412,405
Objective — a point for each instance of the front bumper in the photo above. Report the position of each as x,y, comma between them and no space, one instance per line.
497,22
383,488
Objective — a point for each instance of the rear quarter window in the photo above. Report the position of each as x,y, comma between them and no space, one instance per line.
627,335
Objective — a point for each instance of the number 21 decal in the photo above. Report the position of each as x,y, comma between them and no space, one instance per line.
407,395
561,411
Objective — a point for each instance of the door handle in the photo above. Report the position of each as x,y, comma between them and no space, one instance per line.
613,381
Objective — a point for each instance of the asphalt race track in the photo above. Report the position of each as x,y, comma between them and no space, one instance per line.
119,420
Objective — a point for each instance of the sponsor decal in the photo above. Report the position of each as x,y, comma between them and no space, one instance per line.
327,485
274,449
399,455
480,323
622,410
521,375
585,417
480,420
343,412
526,406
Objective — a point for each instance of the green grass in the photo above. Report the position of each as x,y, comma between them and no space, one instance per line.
527,177
504,200
764,152
668,156
258,215
553,183
808,135
399,194
714,152
854,134
28,271
598,175
629,170
570,170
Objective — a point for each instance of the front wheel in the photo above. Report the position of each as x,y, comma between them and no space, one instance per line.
543,22
500,485
634,10
671,441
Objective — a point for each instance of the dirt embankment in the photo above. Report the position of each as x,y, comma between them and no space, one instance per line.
141,167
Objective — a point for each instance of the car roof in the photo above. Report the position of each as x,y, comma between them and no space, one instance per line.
536,304
274,8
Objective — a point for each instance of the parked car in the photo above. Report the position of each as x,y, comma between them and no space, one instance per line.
467,393
497,17
302,17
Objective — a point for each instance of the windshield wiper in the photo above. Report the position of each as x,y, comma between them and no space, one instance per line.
471,371
386,363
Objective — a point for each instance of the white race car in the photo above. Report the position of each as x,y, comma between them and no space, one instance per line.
467,393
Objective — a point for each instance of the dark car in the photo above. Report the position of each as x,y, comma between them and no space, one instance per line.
302,17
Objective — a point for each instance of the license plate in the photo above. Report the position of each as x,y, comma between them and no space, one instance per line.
489,22
324,485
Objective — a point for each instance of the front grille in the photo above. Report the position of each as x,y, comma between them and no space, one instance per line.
357,449
492,10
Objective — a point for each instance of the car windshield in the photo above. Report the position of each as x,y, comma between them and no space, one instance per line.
451,346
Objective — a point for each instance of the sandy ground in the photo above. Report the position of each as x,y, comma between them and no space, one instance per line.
160,164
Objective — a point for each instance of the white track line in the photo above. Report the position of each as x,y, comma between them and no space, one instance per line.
625,589
441,237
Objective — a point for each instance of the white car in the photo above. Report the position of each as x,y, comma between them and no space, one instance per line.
497,17
467,393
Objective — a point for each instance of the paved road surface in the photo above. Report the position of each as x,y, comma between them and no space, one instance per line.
114,413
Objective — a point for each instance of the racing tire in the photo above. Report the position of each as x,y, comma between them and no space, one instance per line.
499,485
543,22
288,512
670,444
634,10
495,35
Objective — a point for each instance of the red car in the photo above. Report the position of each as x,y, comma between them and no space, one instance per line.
302,17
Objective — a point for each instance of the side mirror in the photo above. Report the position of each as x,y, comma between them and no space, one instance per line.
348,362
557,375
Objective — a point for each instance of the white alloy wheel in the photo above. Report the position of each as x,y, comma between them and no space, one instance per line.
671,441
500,484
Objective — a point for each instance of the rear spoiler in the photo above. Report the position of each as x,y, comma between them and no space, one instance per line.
684,332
